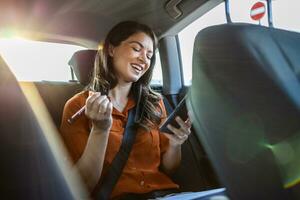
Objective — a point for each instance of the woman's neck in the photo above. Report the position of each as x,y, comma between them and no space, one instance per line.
119,95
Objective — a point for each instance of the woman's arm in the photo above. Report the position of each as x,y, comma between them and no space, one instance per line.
98,110
172,157
91,162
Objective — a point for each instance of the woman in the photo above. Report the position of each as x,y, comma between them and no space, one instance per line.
123,72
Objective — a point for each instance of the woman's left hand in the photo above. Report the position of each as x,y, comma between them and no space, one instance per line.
181,134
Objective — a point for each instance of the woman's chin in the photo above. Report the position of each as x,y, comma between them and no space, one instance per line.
134,78
130,80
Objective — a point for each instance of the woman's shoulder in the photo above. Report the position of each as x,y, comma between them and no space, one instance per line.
78,100
83,94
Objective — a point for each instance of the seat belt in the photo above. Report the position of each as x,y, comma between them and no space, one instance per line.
118,163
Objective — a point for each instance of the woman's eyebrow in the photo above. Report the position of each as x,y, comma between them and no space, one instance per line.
140,44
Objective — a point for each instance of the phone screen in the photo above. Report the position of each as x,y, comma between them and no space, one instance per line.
180,111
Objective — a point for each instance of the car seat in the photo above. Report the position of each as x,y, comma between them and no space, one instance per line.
245,100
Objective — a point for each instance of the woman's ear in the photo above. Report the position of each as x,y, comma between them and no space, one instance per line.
111,50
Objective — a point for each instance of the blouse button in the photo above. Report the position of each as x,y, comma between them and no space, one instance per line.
142,183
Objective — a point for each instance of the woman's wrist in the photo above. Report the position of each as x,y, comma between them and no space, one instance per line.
102,127
174,145
100,130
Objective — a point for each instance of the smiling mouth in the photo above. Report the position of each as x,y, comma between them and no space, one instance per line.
137,67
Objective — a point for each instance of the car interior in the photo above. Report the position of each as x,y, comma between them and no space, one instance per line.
244,98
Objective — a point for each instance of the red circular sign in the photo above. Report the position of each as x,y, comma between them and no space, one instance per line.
258,10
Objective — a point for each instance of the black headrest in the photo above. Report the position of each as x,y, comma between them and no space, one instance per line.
245,98
82,62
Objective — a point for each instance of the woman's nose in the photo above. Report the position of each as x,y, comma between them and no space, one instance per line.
143,57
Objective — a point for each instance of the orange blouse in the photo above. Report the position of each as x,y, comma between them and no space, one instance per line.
141,173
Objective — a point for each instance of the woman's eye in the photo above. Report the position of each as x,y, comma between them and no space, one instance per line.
136,49
149,57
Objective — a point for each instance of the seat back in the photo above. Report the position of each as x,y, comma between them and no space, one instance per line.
29,169
55,95
245,100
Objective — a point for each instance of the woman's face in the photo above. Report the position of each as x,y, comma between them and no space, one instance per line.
132,58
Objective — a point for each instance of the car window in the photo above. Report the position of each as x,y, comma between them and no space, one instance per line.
37,61
157,72
285,15
187,37
240,12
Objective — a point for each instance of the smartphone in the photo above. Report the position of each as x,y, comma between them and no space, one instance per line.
180,111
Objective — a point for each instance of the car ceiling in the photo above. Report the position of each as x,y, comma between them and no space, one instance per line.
85,22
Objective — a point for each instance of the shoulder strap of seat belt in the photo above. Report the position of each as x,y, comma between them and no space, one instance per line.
118,163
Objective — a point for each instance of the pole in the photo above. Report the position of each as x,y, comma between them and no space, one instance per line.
270,16
227,12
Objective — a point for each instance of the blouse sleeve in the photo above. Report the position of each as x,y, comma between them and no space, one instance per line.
75,135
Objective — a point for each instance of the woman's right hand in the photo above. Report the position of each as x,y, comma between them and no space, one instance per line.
99,110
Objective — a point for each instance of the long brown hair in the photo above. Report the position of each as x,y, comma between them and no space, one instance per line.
104,77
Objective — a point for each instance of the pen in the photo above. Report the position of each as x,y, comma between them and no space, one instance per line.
74,117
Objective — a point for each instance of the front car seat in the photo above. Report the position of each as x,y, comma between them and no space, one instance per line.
245,100
29,169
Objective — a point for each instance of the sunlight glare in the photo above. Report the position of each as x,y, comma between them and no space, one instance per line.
36,61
